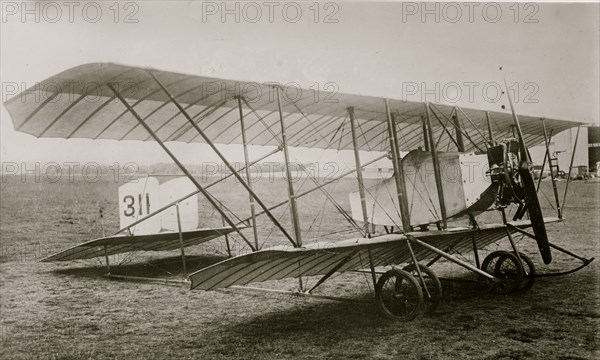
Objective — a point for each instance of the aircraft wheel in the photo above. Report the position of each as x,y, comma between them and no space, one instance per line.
399,295
528,269
506,267
434,286
510,272
489,263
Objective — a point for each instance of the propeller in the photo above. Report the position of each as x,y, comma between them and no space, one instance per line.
531,200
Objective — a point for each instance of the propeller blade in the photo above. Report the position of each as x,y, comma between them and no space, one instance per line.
535,214
522,147
531,200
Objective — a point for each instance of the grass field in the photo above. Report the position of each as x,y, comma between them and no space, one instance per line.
71,311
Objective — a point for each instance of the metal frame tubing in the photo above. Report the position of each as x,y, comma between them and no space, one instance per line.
106,258
181,247
476,252
224,159
515,249
524,152
445,130
246,161
286,155
425,134
399,173
359,176
464,133
547,139
571,166
158,211
372,268
445,255
417,268
180,165
319,186
457,132
561,249
488,120
436,170
333,270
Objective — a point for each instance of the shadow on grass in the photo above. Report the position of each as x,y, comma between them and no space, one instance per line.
335,329
321,317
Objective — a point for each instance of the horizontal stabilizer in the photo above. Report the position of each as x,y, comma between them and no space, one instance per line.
153,242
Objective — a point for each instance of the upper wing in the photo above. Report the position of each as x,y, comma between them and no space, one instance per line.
77,103
153,242
322,257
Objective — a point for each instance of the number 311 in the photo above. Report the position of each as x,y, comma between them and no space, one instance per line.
130,202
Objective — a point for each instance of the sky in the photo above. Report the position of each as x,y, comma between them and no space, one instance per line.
548,51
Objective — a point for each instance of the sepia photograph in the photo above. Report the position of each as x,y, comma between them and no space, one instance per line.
299,180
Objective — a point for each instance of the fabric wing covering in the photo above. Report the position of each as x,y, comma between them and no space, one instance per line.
319,258
120,244
78,103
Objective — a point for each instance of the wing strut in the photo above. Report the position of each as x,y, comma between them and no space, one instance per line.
222,157
246,161
361,189
398,171
424,131
180,165
571,166
181,247
456,260
333,270
291,195
158,211
488,120
319,186
445,130
458,133
436,169
464,133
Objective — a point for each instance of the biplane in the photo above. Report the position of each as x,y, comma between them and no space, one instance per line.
407,221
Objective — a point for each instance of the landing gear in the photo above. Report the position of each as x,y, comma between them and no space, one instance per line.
506,267
399,295
433,293
529,272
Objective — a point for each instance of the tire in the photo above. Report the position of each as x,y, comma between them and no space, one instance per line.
434,286
399,295
489,263
504,266
510,272
529,272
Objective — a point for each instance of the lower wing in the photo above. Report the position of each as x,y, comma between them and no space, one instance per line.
324,257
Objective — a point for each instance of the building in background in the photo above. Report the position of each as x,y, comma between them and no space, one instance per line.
561,147
594,149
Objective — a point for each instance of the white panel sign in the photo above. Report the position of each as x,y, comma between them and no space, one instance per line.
188,208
